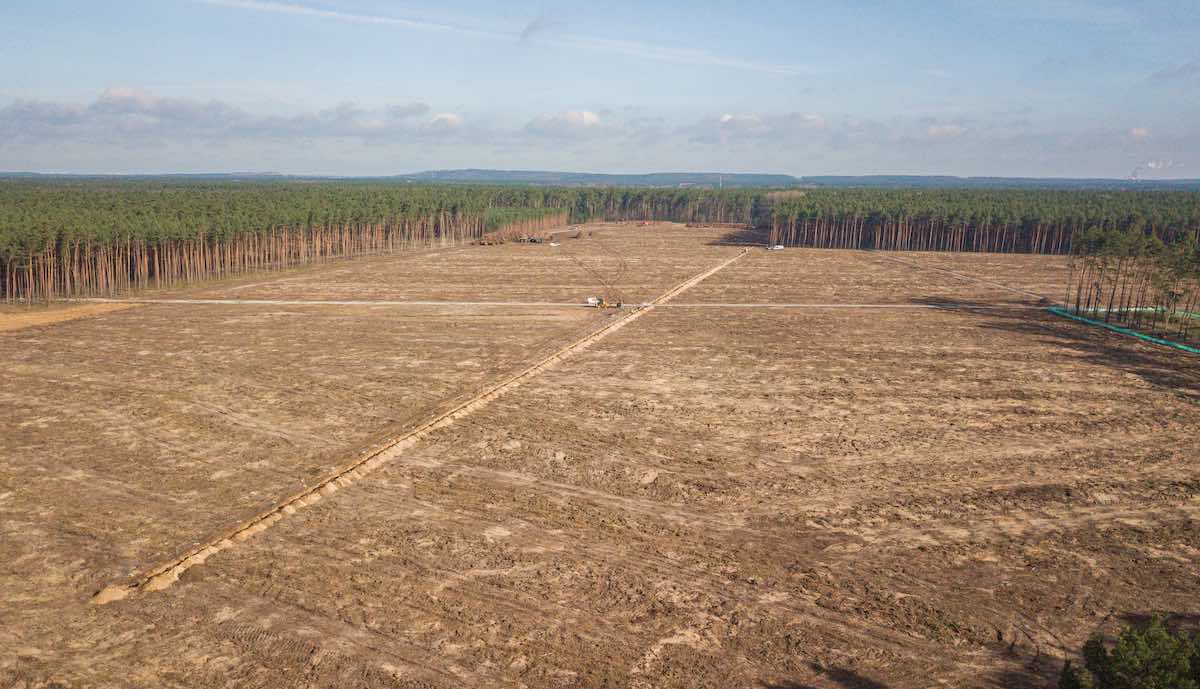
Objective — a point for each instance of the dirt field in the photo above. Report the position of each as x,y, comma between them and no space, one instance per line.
810,469
21,317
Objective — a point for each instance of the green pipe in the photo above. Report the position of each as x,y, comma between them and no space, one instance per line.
1124,331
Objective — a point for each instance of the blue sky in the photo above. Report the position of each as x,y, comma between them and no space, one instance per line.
367,87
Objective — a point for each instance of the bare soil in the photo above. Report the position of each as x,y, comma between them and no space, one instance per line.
957,490
644,263
14,317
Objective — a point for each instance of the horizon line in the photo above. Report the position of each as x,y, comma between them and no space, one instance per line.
263,173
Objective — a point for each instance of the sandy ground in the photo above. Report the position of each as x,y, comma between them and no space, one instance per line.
708,497
643,263
19,317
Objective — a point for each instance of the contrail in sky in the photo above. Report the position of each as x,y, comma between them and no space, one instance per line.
649,51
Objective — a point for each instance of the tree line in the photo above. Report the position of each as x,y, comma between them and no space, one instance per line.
1004,221
99,238
1135,279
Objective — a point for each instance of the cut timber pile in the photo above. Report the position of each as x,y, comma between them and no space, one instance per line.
522,225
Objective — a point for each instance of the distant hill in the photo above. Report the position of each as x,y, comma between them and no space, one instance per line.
705,180
714,180
586,179
948,182
177,176
530,177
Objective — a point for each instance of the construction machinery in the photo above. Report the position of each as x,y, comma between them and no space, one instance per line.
603,303
610,298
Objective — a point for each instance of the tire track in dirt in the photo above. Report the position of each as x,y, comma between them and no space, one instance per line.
649,566
969,278
163,576
173,404
1025,525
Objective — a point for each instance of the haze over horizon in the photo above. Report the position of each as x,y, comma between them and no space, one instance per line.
1059,88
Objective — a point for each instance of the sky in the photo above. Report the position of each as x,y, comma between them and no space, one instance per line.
1049,88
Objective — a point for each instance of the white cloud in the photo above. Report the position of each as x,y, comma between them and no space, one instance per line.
134,117
569,124
582,118
732,127
945,131
124,97
447,119
735,120
129,129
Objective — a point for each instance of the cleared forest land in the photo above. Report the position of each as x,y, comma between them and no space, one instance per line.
812,467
